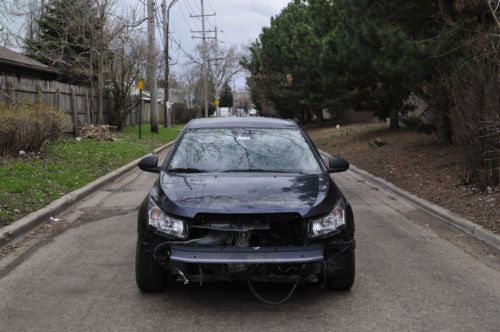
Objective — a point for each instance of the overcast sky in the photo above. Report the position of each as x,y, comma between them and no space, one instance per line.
241,22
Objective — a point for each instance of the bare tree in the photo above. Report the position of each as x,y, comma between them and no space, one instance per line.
190,79
494,6
224,64
18,20
114,31
473,89
90,32
129,63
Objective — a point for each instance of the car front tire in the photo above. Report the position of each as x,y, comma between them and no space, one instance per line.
149,275
344,279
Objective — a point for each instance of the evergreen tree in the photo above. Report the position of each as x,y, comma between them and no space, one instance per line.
226,96
64,39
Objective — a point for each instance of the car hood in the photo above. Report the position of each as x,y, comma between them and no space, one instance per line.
186,195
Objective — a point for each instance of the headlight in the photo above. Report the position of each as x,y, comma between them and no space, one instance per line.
166,224
330,223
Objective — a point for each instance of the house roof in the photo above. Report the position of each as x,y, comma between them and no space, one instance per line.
15,59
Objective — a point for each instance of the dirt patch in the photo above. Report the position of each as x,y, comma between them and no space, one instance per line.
414,162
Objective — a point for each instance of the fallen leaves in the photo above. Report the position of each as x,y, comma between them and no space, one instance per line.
416,163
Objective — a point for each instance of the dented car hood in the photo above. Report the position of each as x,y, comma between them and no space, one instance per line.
186,195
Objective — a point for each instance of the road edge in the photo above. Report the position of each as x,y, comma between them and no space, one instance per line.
444,215
36,218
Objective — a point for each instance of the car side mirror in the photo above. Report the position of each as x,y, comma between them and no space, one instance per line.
337,164
150,164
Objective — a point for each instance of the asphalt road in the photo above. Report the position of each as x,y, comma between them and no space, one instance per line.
413,273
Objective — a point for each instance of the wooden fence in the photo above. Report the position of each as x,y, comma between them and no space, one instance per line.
74,100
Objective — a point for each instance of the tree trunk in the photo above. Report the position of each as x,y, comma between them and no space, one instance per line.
441,104
92,88
74,111
87,107
394,123
443,127
100,65
319,114
100,87
302,117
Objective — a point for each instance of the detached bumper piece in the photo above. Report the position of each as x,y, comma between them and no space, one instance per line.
246,255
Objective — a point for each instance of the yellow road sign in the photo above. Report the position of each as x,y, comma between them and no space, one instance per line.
140,85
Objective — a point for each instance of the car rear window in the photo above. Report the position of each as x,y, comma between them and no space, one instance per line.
246,150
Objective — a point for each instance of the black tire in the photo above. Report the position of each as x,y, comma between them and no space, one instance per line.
149,275
343,280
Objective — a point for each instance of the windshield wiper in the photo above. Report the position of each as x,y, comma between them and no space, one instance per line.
256,170
186,170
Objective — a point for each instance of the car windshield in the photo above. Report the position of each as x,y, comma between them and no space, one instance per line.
244,150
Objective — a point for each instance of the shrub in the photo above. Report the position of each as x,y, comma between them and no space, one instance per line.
181,114
28,127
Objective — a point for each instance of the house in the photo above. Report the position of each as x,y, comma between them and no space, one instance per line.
223,112
176,96
20,65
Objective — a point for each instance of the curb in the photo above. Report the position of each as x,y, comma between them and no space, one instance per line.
444,215
36,218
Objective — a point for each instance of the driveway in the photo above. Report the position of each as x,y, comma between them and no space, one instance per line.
413,273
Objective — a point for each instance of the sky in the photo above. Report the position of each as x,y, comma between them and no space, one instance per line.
239,23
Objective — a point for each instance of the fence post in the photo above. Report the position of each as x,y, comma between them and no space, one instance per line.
75,112
10,93
87,107
39,94
58,98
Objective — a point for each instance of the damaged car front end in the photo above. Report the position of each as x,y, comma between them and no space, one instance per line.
245,223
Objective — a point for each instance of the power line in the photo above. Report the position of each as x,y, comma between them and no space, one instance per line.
160,32
198,7
183,50
210,5
162,37
204,38
184,15
188,3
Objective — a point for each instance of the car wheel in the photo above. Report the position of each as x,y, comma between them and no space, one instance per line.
149,275
344,279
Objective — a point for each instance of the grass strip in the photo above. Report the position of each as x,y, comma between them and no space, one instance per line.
28,183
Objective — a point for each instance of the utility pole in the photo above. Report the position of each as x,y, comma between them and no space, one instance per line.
205,52
217,109
205,59
166,31
152,67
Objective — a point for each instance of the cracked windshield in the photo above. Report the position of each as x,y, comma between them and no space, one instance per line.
245,150
249,165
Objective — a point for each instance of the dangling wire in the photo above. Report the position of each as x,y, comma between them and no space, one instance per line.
286,298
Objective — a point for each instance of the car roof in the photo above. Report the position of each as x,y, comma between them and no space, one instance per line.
242,122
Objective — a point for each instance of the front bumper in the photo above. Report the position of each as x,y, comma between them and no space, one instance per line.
246,255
